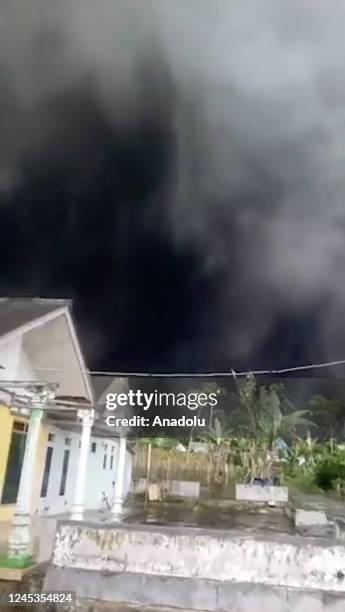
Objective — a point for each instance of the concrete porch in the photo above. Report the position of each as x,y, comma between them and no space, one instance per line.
43,529
197,569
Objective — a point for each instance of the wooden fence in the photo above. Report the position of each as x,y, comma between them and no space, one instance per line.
207,468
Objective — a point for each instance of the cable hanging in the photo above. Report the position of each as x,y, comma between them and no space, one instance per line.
231,373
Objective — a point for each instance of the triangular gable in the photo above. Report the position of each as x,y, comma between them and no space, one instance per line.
52,344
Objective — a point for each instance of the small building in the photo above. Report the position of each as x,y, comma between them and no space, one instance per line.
57,455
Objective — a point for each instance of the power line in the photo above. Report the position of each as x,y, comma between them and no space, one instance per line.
231,373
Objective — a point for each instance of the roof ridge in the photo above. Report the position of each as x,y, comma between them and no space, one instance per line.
52,300
40,300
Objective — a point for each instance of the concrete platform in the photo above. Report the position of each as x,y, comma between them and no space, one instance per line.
126,591
198,569
309,518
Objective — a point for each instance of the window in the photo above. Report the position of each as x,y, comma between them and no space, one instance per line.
104,462
68,441
93,447
111,462
46,472
64,472
14,463
51,437
20,427
106,447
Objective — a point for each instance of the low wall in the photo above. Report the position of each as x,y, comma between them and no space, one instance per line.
215,562
263,494
176,488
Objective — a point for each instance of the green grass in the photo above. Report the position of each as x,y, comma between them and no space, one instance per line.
18,562
303,482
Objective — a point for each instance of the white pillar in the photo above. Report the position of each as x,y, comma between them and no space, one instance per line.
19,539
117,506
87,420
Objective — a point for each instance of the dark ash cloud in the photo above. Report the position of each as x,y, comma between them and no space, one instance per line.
178,169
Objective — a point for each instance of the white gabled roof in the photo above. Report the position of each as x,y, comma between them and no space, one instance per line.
49,337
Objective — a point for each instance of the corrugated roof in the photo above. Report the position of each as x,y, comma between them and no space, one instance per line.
15,312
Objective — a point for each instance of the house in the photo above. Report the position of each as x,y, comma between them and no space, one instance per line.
56,453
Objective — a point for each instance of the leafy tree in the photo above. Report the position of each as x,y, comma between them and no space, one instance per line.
265,414
209,388
218,433
325,413
330,471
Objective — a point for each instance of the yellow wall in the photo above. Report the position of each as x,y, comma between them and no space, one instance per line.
40,461
6,424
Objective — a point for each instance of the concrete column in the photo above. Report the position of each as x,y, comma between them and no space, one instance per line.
87,420
117,506
19,540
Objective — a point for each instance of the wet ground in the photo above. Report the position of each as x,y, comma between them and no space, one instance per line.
329,502
226,516
230,514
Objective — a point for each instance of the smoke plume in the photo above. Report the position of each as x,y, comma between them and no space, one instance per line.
178,169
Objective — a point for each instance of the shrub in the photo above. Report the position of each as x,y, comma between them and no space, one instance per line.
305,481
329,471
